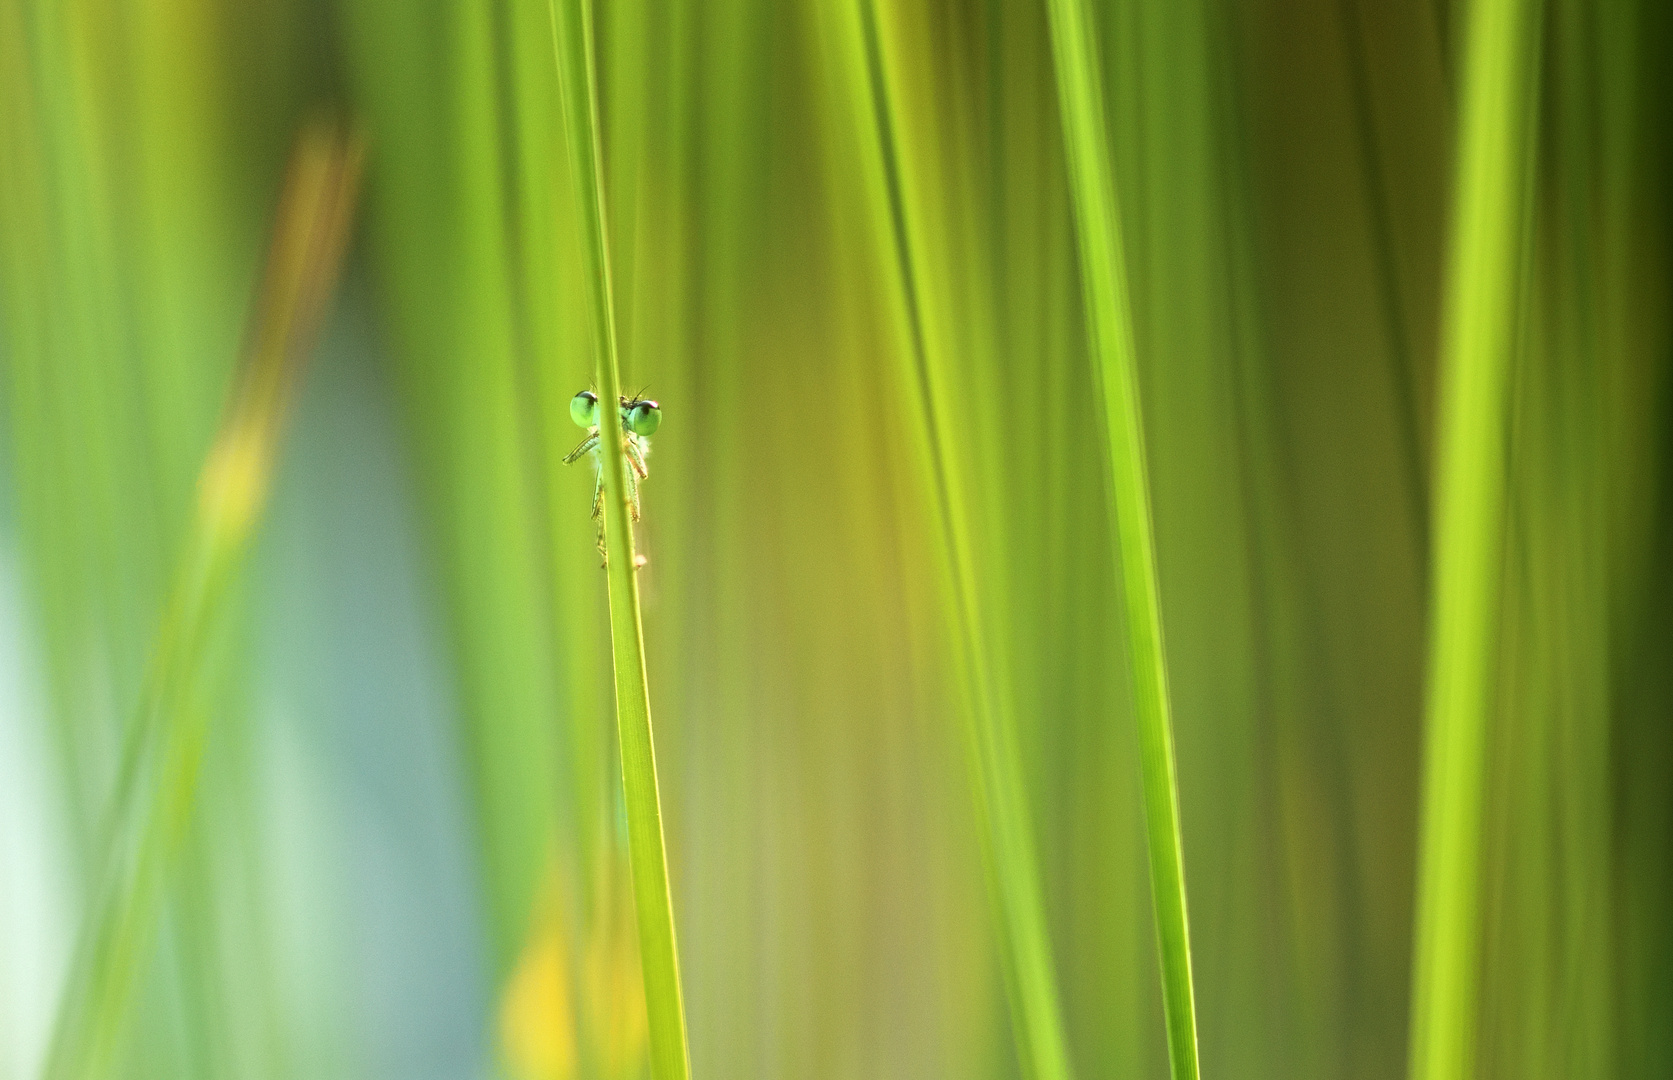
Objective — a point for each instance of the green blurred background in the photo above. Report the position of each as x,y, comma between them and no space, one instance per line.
406,855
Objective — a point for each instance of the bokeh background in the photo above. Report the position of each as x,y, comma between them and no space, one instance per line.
403,855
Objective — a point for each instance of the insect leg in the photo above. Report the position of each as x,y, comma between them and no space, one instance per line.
635,456
598,517
587,445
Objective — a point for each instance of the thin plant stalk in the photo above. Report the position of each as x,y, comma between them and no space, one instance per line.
664,1008
157,785
1110,332
1478,347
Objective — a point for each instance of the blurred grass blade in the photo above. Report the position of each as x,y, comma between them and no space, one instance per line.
1488,262
920,284
665,1011
1110,330
157,783
1392,304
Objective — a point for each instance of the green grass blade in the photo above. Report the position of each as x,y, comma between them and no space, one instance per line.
916,250
157,785
1109,326
1477,351
665,1011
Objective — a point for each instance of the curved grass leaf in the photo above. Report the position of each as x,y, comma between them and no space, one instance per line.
1109,326
868,61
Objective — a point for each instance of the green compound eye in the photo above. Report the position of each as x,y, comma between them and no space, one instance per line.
643,418
583,408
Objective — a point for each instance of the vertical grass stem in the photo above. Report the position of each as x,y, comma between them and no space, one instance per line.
665,1011
1478,348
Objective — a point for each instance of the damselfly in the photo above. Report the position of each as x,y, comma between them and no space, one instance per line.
640,419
